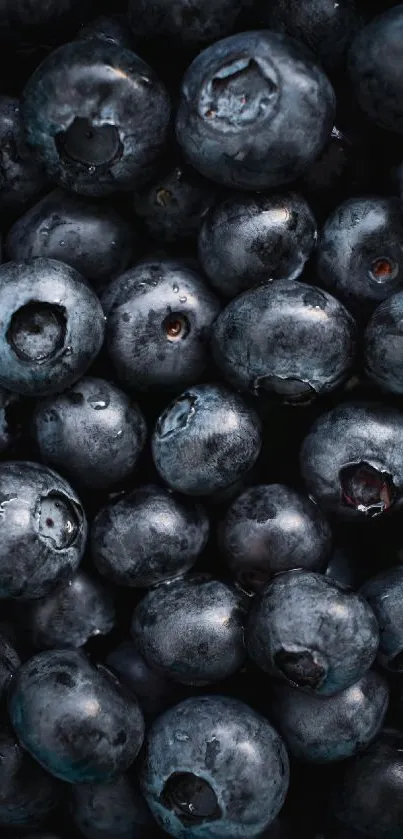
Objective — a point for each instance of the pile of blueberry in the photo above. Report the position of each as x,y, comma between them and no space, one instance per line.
201,419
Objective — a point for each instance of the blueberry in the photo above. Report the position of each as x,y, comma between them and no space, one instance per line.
191,630
9,662
154,691
368,793
352,459
374,67
93,432
173,207
205,440
52,326
97,117
255,111
322,729
21,179
42,530
71,615
382,345
147,537
325,27
307,629
82,232
73,719
115,809
249,239
186,23
287,338
112,28
384,593
159,316
272,528
28,795
360,250
214,767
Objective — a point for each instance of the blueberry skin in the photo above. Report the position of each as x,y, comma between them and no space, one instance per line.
43,530
255,111
269,529
112,28
323,729
72,614
116,809
28,795
92,84
94,433
159,317
205,440
325,27
287,338
87,234
191,630
368,793
73,719
382,340
147,537
172,208
154,691
51,329
21,178
201,739
308,630
359,254
185,23
9,662
377,82
352,460
249,239
384,593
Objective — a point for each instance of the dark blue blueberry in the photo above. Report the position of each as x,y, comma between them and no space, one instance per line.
214,767
325,27
154,691
112,28
322,729
186,23
42,530
287,338
191,630
367,793
71,615
9,662
28,795
21,178
94,433
307,629
385,596
360,250
97,117
382,345
116,810
374,66
51,329
73,719
255,111
205,440
87,234
352,459
147,537
159,316
173,207
249,239
269,529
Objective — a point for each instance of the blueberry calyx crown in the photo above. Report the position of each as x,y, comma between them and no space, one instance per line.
369,490
191,798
